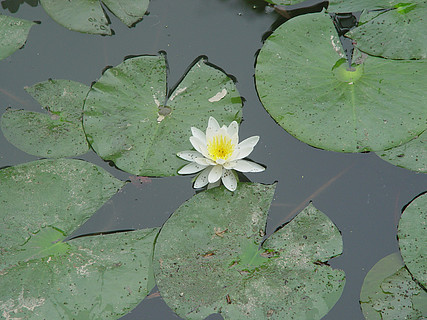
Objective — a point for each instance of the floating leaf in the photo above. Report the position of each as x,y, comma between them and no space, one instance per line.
128,11
377,105
58,193
412,155
129,119
97,277
13,34
89,17
57,134
412,236
343,6
394,34
207,259
389,293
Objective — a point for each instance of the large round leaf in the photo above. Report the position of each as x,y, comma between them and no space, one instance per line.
412,155
57,134
389,293
88,16
94,277
412,236
58,193
339,6
129,119
394,34
303,82
13,34
208,259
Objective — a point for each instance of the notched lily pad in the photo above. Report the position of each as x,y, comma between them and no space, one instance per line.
411,155
48,193
398,33
412,235
13,34
331,106
94,277
88,15
210,258
56,134
130,119
389,293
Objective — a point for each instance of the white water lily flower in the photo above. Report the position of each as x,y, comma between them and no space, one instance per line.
218,153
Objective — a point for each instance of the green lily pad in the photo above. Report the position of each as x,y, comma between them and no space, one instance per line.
394,34
94,277
342,6
315,97
56,134
412,236
129,119
88,16
13,34
389,293
208,259
412,155
60,193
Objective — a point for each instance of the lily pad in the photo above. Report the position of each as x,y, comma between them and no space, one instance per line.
389,293
394,34
412,155
412,236
94,277
56,134
209,258
13,34
342,6
129,119
308,88
60,193
88,15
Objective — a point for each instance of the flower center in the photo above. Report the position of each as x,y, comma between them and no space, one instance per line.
220,147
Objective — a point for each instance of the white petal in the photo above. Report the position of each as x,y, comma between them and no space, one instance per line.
213,127
199,146
229,180
244,148
204,161
247,166
215,174
198,134
191,168
249,142
233,128
235,139
189,155
202,178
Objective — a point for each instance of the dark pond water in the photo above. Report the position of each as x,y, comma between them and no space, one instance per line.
362,194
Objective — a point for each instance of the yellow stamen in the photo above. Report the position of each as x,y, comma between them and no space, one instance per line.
220,147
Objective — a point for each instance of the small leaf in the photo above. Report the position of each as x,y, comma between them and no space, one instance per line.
88,15
58,193
54,135
208,259
13,34
78,15
128,11
389,293
146,128
98,277
412,235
